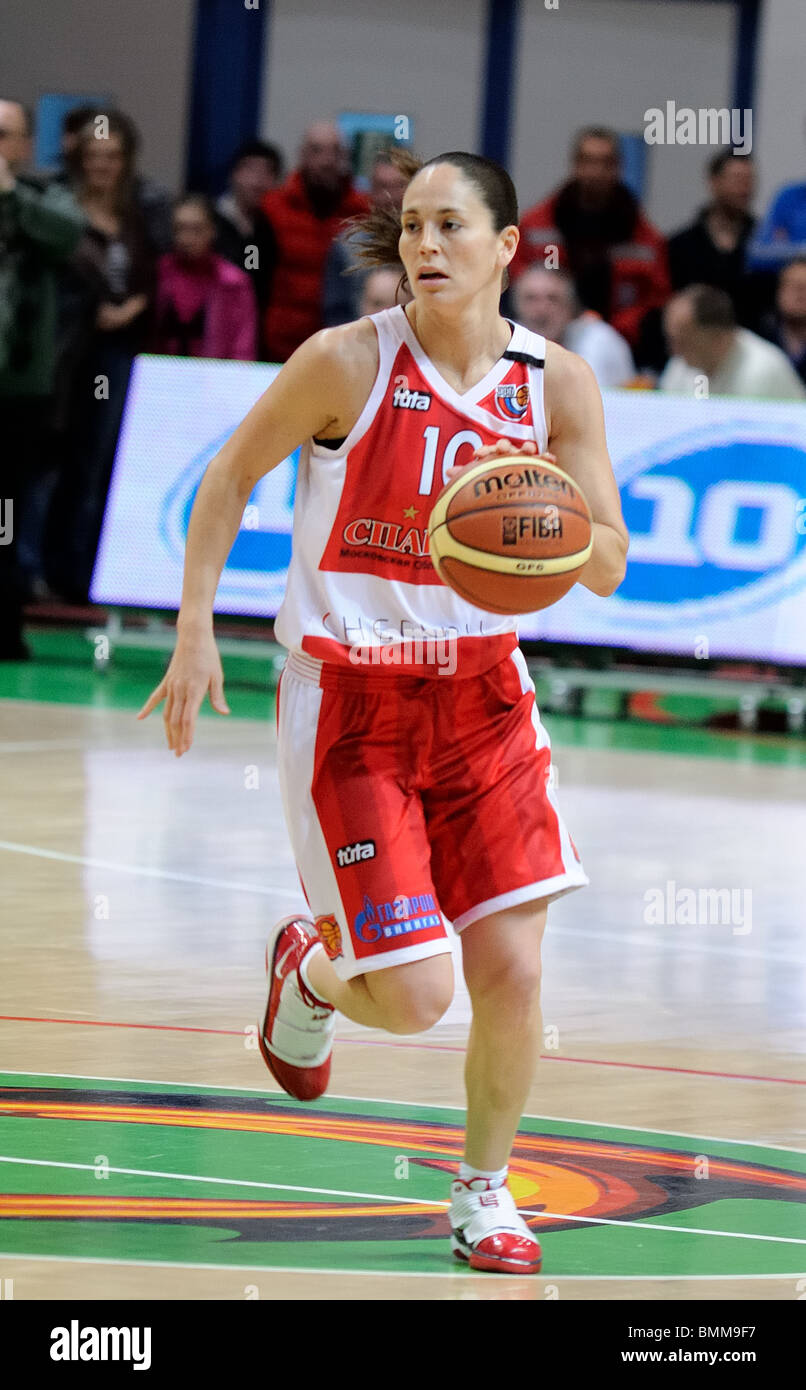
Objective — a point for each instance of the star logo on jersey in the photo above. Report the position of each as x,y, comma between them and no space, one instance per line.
411,512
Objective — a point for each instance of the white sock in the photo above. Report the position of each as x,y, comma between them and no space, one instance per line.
303,970
495,1179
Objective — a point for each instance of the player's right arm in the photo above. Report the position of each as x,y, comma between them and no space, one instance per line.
319,391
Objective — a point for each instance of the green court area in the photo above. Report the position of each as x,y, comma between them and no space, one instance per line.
63,671
136,1170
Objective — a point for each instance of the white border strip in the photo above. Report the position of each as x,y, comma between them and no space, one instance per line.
374,1273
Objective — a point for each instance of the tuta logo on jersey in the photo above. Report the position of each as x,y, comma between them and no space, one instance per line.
396,918
351,854
511,401
406,399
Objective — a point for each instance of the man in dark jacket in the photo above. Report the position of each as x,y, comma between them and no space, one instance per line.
40,228
305,215
594,228
712,250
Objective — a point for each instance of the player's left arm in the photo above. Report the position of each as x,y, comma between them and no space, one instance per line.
576,427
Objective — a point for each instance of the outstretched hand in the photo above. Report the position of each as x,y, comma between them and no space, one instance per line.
195,669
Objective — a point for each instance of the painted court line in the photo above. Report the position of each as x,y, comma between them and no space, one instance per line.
677,945
409,1201
350,1041
421,1104
271,890
12,847
36,745
456,1273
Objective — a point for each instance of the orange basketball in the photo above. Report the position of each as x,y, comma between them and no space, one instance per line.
511,535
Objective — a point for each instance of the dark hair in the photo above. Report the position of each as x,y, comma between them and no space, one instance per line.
125,130
259,149
710,307
197,200
595,132
79,116
374,237
718,162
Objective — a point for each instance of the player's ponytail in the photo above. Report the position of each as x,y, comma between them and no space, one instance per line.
374,237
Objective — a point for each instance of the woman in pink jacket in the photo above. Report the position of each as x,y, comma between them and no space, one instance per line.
205,306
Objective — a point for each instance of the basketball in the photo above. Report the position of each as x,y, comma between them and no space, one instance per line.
511,535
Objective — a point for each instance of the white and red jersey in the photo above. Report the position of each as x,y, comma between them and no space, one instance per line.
360,576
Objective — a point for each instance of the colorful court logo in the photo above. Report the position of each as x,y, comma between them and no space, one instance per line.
291,1181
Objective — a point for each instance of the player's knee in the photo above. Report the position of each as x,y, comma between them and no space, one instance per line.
510,988
417,1013
416,998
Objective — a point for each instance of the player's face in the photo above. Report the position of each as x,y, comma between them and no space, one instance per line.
448,243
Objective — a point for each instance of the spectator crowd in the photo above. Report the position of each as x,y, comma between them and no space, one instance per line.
99,263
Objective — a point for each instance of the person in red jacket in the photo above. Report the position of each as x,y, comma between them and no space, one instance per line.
306,213
616,256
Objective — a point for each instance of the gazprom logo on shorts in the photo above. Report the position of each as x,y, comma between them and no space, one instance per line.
715,513
396,918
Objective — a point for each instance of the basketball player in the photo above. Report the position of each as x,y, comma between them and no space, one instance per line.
413,765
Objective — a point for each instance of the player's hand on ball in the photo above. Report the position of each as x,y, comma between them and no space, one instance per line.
195,669
503,448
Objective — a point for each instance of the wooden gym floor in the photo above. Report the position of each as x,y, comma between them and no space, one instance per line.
145,1151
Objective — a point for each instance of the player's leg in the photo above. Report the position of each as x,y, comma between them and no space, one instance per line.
500,852
403,999
501,962
376,945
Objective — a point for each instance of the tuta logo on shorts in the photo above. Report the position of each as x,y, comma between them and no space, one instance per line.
396,918
350,854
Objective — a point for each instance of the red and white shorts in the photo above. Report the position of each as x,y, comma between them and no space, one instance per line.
407,798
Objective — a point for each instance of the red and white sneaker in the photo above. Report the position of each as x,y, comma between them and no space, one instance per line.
488,1233
296,1035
